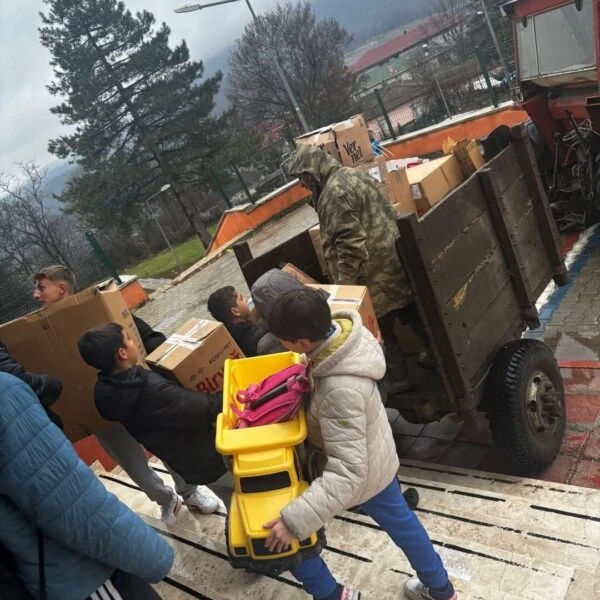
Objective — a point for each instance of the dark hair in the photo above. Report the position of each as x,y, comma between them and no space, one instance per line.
220,303
56,273
300,314
98,346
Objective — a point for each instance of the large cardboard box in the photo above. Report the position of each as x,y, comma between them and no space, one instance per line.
195,355
433,180
347,141
46,342
352,297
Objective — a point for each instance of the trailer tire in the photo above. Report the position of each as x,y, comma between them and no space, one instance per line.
527,404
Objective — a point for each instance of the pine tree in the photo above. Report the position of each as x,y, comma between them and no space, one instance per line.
138,113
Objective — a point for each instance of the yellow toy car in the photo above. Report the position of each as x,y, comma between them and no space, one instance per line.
266,471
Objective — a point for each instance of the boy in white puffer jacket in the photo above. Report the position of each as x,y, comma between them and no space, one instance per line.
349,431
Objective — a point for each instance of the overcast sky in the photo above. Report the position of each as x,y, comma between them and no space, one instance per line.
26,123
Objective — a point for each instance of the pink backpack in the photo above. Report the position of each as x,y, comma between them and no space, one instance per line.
275,399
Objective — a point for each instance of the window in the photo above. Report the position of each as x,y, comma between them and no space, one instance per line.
557,41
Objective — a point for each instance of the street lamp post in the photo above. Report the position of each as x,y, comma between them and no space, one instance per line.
288,90
164,188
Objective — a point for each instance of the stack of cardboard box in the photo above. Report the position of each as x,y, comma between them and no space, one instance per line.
394,183
467,153
347,141
432,181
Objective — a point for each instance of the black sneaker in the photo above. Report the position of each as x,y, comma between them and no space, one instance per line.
412,498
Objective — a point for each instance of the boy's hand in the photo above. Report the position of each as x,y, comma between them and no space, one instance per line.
279,538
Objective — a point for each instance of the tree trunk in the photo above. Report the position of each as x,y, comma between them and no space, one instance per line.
203,234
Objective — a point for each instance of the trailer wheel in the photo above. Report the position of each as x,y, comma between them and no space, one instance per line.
527,404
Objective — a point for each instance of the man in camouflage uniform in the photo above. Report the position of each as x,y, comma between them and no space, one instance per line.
358,229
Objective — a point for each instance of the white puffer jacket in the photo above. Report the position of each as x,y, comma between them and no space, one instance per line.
347,423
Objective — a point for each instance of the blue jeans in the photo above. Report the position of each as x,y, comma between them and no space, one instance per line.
390,511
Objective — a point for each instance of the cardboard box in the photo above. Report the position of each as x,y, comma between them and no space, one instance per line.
352,297
394,182
468,154
315,236
195,355
299,274
347,141
46,342
432,181
377,169
404,202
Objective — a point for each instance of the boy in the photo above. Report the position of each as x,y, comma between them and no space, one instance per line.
172,422
230,308
353,445
57,282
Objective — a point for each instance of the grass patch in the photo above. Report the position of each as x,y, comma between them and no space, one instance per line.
163,264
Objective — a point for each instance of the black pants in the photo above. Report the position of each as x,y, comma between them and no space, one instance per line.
124,586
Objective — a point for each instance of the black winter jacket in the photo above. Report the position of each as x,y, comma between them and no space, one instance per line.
246,335
172,422
150,338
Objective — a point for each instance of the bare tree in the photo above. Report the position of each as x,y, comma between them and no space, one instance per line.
29,230
449,26
310,52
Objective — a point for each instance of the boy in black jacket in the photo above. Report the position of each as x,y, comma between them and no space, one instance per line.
172,422
229,307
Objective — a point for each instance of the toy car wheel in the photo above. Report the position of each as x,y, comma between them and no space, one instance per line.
527,404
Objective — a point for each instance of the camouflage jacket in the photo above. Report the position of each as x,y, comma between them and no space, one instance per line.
358,229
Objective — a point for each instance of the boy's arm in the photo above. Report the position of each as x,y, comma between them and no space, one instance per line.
345,444
177,406
151,339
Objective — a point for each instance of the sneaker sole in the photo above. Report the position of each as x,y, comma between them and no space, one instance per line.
204,511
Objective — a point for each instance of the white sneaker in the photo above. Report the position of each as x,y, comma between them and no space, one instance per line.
199,501
347,593
168,512
416,590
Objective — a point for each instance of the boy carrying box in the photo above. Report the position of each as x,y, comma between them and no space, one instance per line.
173,423
229,307
350,436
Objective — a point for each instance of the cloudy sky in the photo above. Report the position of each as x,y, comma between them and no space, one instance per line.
25,120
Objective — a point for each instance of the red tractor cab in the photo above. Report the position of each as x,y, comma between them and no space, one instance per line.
557,45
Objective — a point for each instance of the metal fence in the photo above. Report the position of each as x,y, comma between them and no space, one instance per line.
438,88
